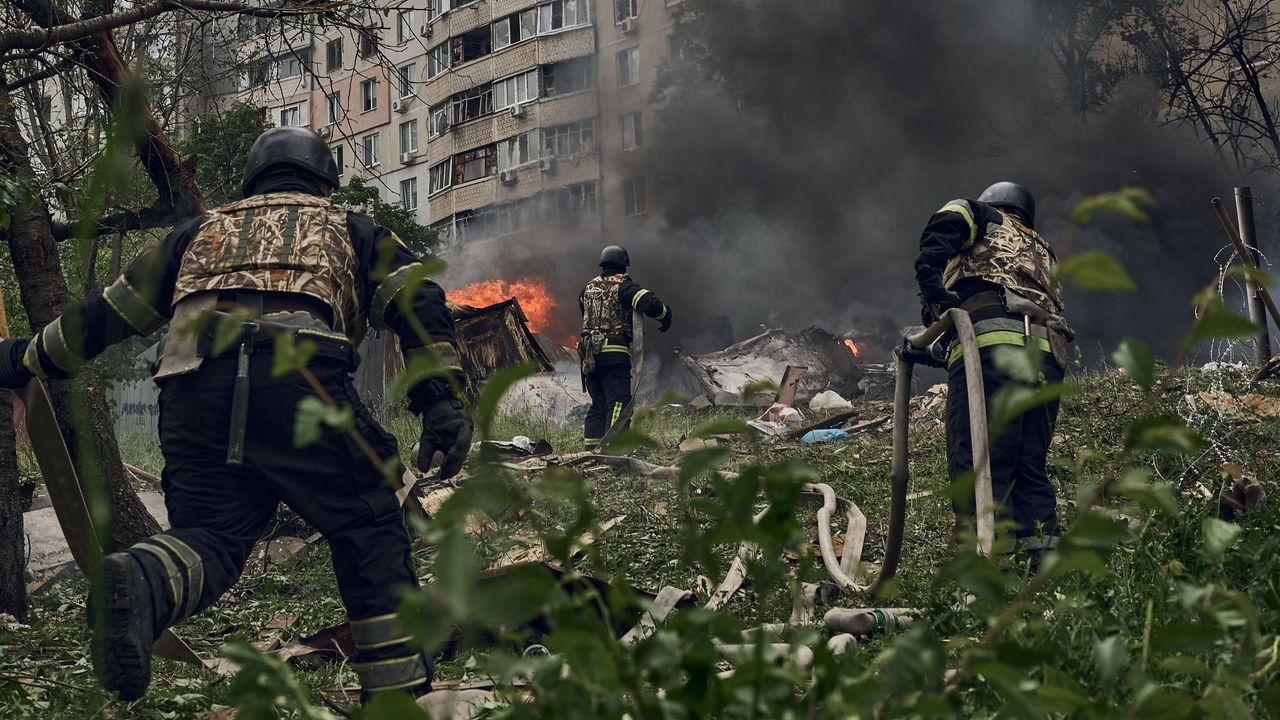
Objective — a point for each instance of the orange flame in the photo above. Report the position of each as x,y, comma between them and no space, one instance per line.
536,301
853,347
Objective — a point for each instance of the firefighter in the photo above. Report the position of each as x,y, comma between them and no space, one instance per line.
985,256
299,266
604,348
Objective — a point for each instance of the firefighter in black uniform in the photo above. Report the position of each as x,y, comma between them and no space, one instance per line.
607,304
304,267
985,256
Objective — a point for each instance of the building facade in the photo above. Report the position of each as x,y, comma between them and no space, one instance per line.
488,118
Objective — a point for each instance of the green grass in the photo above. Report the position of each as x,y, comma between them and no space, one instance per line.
44,671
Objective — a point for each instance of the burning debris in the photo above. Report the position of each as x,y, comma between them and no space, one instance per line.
494,337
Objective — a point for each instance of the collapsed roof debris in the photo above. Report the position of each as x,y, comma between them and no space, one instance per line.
494,337
724,376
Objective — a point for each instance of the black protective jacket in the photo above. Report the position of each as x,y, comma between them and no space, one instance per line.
632,297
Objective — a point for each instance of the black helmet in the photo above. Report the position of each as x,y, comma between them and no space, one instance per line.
1011,196
292,147
614,255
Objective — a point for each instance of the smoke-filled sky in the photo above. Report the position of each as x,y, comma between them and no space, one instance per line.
797,189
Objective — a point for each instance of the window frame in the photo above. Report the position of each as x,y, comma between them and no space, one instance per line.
405,83
332,103
369,99
333,52
367,143
637,130
632,68
634,204
412,128
413,182
447,166
294,109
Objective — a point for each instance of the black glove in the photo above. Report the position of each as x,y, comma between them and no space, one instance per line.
939,297
13,374
446,428
665,324
933,356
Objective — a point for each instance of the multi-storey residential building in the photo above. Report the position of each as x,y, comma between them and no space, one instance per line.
488,118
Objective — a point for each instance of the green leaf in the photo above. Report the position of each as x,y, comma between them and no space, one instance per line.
700,461
1219,535
1094,530
1166,704
393,706
1013,401
290,355
1162,434
1097,270
1129,202
1187,665
1110,655
1249,274
1137,485
313,415
723,426
1216,321
1185,637
628,440
1138,362
228,329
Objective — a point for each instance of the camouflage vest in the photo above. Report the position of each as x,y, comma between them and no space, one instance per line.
1015,257
278,242
602,310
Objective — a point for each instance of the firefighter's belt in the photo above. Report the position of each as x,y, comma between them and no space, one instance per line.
984,299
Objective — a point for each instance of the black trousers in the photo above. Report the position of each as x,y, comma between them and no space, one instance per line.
217,512
1020,483
610,389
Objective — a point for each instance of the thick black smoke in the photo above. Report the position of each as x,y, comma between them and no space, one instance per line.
796,183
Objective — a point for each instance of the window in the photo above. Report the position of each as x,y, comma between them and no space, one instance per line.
368,95
676,46
569,76
404,75
471,104
369,149
437,60
291,116
472,45
569,201
628,67
561,14
519,89
439,176
438,120
409,194
623,9
632,131
368,42
569,139
332,108
434,8
514,28
404,26
258,71
338,158
244,27
294,63
519,150
633,196
409,136
475,164
333,55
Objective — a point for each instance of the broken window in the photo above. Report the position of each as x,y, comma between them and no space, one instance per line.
633,196
475,164
472,45
439,177
519,150
438,120
628,66
369,149
437,59
369,94
569,139
404,26
333,55
332,108
404,75
368,42
623,9
568,202
471,104
295,62
561,14
258,71
338,158
569,76
515,28
409,194
632,131
515,90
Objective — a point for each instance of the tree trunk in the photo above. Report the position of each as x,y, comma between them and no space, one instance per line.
80,403
13,545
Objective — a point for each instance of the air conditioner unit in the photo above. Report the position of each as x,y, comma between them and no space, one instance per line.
409,158
507,177
426,30
547,164
629,26
519,110
400,105
324,131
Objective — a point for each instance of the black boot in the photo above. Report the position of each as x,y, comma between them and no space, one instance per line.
123,636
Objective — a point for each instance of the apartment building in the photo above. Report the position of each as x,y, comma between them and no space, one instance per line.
488,118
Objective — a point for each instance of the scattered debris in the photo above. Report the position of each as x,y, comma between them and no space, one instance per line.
865,622
520,446
1244,492
1247,407
824,436
829,401
877,382
48,545
456,704
780,414
494,337
530,548
723,376
933,399
669,598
